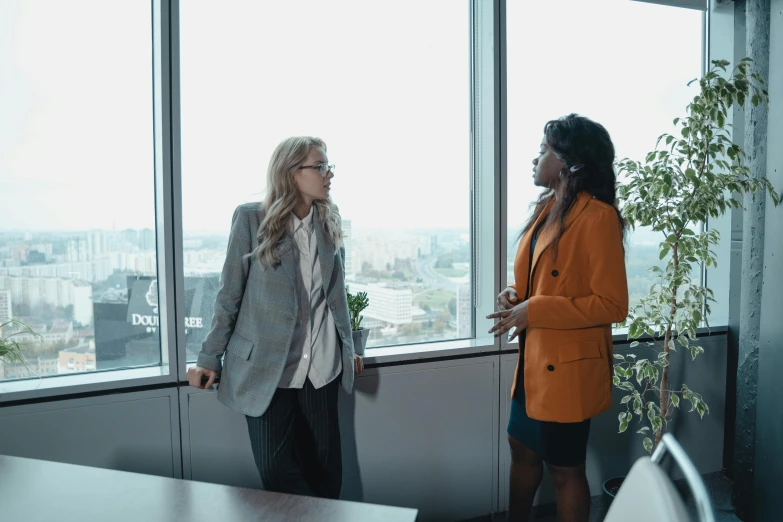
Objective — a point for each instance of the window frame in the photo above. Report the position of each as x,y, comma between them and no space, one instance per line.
488,208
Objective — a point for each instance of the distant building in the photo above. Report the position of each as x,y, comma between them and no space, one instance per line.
147,240
390,303
127,329
78,359
59,331
464,312
54,291
350,266
33,367
93,271
6,309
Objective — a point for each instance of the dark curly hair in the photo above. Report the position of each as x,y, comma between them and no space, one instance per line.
586,149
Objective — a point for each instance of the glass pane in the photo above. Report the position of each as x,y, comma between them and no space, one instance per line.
395,114
77,239
623,64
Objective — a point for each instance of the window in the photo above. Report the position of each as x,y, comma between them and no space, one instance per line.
78,260
623,64
389,95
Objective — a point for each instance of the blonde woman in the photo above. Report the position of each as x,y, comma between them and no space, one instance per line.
281,317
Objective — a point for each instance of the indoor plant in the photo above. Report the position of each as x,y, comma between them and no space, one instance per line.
10,350
687,179
356,305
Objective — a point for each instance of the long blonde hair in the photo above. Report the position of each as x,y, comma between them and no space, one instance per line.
282,195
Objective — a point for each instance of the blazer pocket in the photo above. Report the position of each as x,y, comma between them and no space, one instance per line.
240,347
576,351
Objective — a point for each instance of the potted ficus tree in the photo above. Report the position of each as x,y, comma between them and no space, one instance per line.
688,178
356,305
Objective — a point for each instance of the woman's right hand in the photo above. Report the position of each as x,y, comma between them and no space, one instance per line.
507,299
195,375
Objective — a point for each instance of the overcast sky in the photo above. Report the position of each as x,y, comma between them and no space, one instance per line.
385,84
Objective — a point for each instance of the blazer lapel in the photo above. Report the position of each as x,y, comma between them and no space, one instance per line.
547,236
285,253
325,250
524,245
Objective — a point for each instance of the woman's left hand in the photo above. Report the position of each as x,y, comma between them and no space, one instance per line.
358,365
515,317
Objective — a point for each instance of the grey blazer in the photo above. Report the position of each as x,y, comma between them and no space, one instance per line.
255,314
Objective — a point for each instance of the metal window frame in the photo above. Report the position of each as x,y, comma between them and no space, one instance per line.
488,205
487,144
170,292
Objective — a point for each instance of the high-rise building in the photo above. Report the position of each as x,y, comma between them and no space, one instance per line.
96,244
390,303
6,310
146,240
464,312
350,267
77,250
53,291
130,240
92,271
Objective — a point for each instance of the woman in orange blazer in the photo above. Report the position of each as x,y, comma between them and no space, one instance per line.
570,287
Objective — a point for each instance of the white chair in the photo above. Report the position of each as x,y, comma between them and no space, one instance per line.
648,494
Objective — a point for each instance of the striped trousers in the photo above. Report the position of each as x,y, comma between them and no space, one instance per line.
296,442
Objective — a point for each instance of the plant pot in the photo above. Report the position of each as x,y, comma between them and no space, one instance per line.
360,340
611,487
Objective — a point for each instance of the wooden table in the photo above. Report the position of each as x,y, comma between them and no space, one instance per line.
41,491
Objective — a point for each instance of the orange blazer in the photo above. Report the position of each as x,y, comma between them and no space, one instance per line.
573,301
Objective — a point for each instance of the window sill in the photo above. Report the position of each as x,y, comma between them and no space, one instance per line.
113,380
83,383
411,353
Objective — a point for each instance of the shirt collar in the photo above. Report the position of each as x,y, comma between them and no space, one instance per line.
307,222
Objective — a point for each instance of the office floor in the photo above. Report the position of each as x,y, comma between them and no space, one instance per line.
718,485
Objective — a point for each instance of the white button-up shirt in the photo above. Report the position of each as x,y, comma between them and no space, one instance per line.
315,348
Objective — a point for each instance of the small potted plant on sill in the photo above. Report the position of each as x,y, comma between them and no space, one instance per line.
356,305
688,178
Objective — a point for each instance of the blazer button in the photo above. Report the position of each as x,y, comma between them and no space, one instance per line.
550,368
555,273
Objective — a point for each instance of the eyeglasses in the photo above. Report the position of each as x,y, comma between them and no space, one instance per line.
323,168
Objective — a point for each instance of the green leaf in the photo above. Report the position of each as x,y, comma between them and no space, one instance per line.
644,429
615,380
623,418
618,356
701,409
648,444
675,400
626,399
664,252
633,345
